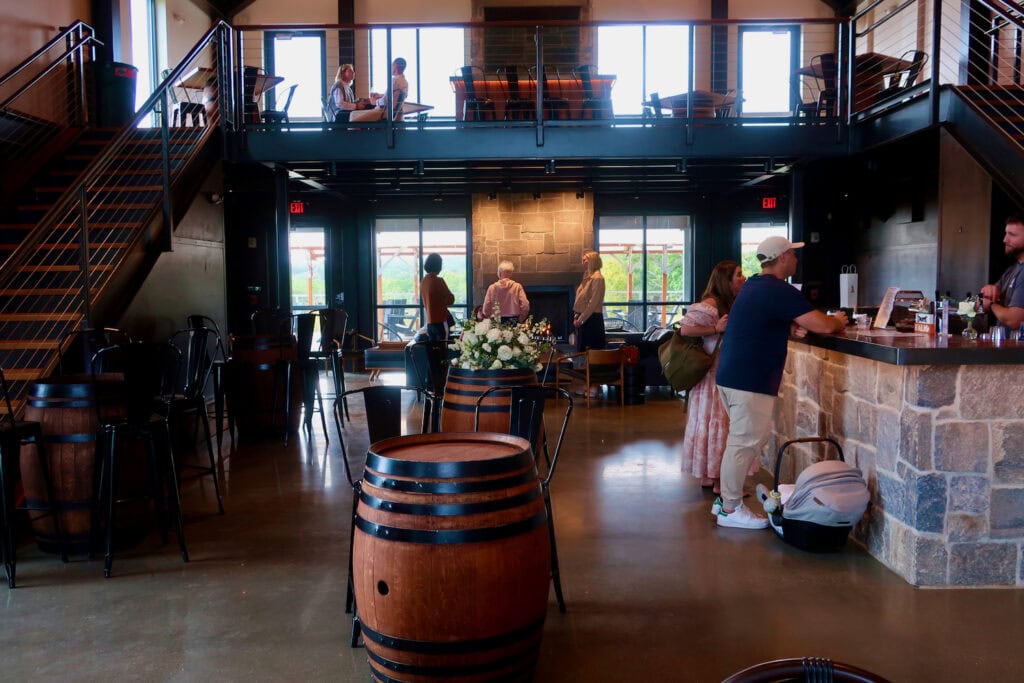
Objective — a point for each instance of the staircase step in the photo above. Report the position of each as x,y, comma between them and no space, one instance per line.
65,268
17,344
129,157
104,188
94,207
37,317
23,375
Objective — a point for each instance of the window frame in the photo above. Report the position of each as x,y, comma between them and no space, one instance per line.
794,61
269,59
645,303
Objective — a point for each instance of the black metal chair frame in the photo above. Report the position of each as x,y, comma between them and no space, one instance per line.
429,363
218,374
526,419
592,107
517,107
904,79
473,104
332,342
552,108
146,379
383,409
306,364
13,434
809,669
92,340
197,347
280,115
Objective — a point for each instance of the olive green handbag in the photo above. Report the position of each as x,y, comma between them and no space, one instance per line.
684,362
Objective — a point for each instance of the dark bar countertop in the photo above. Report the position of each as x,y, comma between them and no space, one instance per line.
907,348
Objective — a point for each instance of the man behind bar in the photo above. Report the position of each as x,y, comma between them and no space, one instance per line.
1005,299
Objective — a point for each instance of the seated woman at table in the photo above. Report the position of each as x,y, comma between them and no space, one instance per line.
399,89
342,100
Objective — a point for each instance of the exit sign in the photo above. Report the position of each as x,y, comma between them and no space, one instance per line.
297,207
769,202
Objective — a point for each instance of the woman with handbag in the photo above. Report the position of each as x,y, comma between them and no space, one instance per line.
707,423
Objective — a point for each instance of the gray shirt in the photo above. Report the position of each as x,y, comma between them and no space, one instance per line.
1011,286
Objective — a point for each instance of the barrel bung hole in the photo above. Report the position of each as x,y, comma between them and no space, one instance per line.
382,587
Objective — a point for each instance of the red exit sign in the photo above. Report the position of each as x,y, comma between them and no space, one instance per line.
769,202
297,207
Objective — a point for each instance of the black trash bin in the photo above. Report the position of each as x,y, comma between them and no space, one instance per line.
111,93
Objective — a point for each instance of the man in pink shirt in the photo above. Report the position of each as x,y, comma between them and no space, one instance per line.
507,295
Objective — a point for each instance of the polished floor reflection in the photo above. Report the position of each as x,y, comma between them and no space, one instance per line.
655,590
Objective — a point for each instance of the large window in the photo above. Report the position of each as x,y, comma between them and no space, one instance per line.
298,57
644,59
768,58
400,245
431,55
308,273
647,269
144,49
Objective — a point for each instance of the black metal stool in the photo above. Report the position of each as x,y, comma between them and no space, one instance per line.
14,433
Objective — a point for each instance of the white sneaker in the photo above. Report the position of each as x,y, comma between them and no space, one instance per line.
716,507
742,518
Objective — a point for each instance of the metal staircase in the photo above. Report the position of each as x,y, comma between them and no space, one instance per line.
85,230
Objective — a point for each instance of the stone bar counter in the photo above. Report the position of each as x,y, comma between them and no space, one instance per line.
937,426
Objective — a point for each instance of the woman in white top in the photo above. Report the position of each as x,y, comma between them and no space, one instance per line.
588,316
707,423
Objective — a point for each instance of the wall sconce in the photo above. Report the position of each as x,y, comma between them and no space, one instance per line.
549,167
769,165
536,195
418,170
215,198
438,197
581,194
681,166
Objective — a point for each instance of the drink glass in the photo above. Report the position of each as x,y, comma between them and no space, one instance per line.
998,334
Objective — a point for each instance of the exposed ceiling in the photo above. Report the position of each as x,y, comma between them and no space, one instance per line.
619,176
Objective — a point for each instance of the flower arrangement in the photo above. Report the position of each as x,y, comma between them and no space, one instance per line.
493,345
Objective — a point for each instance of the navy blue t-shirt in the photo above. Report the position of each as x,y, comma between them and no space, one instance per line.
753,353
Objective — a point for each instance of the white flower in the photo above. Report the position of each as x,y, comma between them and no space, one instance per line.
482,327
486,347
493,334
469,339
496,365
523,339
515,351
504,353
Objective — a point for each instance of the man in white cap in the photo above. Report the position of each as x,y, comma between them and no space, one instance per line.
751,359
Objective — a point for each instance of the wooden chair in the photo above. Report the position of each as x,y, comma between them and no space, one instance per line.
599,368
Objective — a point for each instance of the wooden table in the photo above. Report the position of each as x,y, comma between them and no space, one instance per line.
561,87
705,103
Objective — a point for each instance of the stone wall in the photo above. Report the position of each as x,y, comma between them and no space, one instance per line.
942,448
544,238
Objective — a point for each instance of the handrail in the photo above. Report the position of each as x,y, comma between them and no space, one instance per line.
28,245
69,31
53,65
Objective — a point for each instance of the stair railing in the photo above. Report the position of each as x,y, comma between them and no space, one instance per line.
989,72
46,93
108,213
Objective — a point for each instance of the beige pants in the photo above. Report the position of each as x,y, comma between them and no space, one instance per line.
750,425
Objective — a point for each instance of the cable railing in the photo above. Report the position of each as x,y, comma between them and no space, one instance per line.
989,72
109,213
45,94
554,74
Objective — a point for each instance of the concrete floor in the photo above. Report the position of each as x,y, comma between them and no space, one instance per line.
655,590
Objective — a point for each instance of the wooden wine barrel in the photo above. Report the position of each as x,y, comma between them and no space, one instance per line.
464,387
451,558
66,408
250,384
